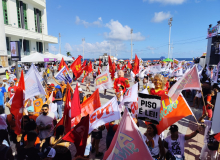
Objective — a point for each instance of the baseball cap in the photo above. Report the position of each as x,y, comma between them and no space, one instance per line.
80,89
173,128
57,86
48,83
5,79
52,85
15,79
48,153
30,109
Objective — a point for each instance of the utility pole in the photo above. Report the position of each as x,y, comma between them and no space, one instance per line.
170,24
83,40
131,44
171,51
60,43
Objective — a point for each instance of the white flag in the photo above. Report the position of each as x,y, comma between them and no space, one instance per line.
33,69
33,86
131,94
102,115
103,81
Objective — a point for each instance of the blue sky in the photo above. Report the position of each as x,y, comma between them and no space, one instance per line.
106,24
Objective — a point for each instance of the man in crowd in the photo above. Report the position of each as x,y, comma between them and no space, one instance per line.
11,89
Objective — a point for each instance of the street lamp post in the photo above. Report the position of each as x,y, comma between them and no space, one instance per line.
170,24
83,40
131,44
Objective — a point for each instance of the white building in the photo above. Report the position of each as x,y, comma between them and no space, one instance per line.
25,21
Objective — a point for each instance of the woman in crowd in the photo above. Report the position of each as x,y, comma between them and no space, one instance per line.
153,141
61,147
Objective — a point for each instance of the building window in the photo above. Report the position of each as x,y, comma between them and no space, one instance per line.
39,47
38,20
22,14
8,45
26,46
5,14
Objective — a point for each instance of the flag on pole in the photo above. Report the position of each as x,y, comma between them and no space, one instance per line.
63,75
128,142
62,64
17,105
136,65
78,135
129,65
100,62
75,103
118,67
76,67
190,80
111,69
84,64
33,69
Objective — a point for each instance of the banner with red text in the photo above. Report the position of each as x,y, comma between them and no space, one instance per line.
107,113
103,81
131,94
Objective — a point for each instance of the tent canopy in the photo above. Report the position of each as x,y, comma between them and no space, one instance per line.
35,57
60,56
168,60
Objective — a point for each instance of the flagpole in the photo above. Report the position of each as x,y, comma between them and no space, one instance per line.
203,102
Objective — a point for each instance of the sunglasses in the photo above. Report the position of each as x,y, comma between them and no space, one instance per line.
44,109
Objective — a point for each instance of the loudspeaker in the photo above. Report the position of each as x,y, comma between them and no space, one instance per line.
211,57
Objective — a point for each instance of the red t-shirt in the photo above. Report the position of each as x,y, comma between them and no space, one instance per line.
114,127
10,89
209,98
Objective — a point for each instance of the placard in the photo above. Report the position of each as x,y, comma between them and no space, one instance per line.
149,108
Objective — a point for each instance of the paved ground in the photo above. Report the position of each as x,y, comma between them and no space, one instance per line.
186,126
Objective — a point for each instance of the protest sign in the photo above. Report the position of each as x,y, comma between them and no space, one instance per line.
178,71
33,86
134,109
215,120
127,142
149,108
155,68
175,63
63,75
107,113
103,81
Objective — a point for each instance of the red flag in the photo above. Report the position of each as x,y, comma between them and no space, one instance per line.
123,67
76,67
75,103
98,71
111,69
88,106
87,69
118,67
62,64
84,64
78,135
18,104
172,112
217,137
129,65
100,62
136,65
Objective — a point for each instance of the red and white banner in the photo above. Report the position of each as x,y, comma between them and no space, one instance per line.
178,71
128,143
103,81
155,68
175,63
107,113
190,80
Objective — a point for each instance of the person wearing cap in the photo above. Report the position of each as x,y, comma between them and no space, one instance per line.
175,142
31,115
59,101
47,154
29,152
5,84
81,95
16,81
63,88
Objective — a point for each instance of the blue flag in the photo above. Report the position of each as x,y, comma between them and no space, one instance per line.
63,75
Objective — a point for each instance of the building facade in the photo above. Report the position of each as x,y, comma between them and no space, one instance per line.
26,21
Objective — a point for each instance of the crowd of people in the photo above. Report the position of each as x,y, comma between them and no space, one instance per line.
41,139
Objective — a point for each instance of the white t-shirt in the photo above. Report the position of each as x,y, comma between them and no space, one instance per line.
176,147
44,121
198,94
3,124
207,136
155,150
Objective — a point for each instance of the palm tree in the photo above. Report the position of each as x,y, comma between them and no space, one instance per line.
68,54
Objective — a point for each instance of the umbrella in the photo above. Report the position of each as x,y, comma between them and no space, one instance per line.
168,60
162,58
149,60
121,60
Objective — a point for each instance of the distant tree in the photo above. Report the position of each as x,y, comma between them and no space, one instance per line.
68,54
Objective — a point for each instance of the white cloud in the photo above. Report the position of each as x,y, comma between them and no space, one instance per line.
121,33
99,47
87,24
68,47
160,16
167,1
53,48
